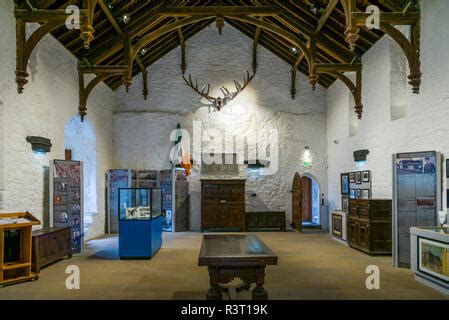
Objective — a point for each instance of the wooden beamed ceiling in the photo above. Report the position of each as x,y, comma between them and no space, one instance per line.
147,16
118,39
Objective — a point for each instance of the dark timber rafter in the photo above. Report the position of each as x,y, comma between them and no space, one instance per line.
330,7
131,51
120,31
101,73
182,44
356,19
337,70
255,43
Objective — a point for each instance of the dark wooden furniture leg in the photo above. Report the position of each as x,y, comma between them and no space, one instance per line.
259,292
214,292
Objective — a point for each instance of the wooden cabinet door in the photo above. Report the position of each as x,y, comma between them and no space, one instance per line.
235,214
211,216
353,232
363,235
223,215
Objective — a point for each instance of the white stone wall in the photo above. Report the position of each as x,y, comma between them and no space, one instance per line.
49,100
425,125
142,128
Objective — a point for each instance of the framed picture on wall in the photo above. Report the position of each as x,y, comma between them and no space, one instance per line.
344,181
358,193
352,194
365,176
352,177
365,194
345,204
358,177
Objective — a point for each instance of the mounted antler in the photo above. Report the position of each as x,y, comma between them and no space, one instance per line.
219,102
203,92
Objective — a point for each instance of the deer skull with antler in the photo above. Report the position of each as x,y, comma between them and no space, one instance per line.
219,102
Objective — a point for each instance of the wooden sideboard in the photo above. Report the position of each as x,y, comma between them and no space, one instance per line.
265,220
223,204
369,226
50,245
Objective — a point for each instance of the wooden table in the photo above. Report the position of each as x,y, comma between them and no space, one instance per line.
229,256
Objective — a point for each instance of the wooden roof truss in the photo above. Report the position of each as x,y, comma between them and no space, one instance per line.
115,48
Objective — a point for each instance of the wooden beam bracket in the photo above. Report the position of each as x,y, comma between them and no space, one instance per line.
337,70
183,49
255,43
387,21
101,73
49,20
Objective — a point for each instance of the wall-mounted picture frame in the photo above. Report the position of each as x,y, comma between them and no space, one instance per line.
358,193
352,177
365,176
352,194
366,193
344,183
345,204
358,177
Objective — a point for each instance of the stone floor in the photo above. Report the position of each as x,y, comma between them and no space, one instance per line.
312,265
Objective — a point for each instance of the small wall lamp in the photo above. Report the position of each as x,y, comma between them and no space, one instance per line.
39,144
360,155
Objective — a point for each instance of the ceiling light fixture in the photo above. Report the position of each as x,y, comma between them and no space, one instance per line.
125,18
294,50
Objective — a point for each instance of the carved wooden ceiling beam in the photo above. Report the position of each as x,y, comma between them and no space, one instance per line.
330,7
356,19
120,32
218,11
182,44
101,73
131,51
255,43
49,20
338,70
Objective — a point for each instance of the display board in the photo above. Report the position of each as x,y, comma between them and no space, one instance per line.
118,178
66,198
148,179
416,198
166,180
175,199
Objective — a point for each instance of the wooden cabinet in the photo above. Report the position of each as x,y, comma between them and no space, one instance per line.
265,220
50,245
222,204
369,226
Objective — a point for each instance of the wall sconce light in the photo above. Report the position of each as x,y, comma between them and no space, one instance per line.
39,144
360,155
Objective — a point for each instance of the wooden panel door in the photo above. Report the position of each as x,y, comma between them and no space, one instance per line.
211,216
306,184
296,202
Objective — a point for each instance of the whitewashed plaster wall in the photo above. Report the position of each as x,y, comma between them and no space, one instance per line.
142,128
49,100
426,123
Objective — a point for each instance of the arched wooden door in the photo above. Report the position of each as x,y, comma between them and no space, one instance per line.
297,202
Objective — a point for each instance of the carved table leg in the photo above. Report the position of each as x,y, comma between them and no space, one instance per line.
214,292
259,292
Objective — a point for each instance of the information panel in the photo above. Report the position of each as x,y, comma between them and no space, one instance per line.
417,198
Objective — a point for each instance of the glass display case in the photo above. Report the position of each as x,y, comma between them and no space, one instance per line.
140,203
140,222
